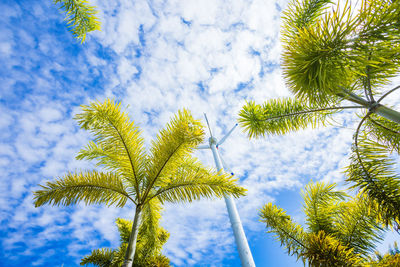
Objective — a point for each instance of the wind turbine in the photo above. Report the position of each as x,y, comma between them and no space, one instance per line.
245,255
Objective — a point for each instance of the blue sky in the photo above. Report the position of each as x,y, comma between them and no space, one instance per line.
155,57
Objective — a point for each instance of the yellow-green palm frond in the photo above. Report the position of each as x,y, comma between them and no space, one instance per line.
321,206
118,143
80,16
151,236
177,140
373,172
358,225
388,261
299,14
384,131
119,256
99,257
157,261
290,234
326,250
90,187
124,229
317,61
105,158
192,181
379,37
280,116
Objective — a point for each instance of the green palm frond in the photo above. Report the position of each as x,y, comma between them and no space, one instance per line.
384,131
358,225
151,238
280,116
99,257
290,234
326,250
115,134
104,158
119,255
379,36
320,206
341,230
298,15
124,229
373,171
191,181
177,140
317,62
157,261
151,235
80,16
90,187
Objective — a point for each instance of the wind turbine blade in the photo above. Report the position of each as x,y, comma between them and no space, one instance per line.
209,128
203,147
227,135
226,168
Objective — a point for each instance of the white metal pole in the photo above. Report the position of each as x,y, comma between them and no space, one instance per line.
245,255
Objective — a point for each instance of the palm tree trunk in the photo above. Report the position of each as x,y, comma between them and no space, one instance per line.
130,251
379,109
388,113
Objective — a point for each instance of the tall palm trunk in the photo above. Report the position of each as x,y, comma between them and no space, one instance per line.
375,107
130,251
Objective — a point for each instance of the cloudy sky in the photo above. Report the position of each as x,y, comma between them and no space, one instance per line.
156,57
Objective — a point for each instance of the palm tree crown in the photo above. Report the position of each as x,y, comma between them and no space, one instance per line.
166,173
340,230
331,57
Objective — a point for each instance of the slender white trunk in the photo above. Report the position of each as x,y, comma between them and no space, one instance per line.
130,251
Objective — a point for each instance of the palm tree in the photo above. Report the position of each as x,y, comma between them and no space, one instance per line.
332,57
80,16
167,173
340,230
151,238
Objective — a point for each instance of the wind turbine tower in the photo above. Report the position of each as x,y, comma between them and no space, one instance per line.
245,255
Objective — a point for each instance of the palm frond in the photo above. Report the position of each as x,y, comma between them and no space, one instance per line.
326,250
151,236
115,134
317,61
90,187
358,225
99,257
191,181
279,116
119,255
80,16
378,37
177,140
384,131
373,172
290,234
105,158
300,14
124,229
321,206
